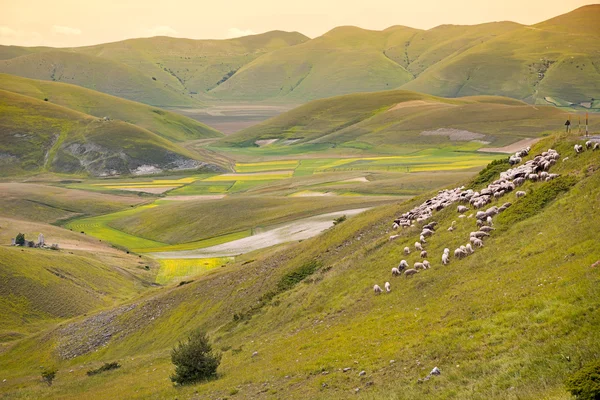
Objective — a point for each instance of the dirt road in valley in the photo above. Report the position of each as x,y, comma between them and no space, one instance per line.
290,231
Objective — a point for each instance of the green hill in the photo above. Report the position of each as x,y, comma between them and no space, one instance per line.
169,125
402,118
159,71
555,58
37,136
548,63
510,321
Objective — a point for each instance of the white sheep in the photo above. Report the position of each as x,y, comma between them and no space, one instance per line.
486,229
388,287
393,237
520,193
396,272
596,146
588,144
406,250
422,239
418,246
409,272
489,221
403,265
377,289
462,209
426,264
445,259
424,254
578,148
478,242
458,253
469,248
418,266
446,251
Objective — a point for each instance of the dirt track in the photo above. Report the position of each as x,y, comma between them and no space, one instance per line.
291,231
511,148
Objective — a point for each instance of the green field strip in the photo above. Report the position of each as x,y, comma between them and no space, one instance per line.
173,269
200,244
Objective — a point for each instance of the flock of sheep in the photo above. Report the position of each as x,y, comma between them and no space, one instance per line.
534,170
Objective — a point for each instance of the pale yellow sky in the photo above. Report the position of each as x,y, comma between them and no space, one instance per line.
82,22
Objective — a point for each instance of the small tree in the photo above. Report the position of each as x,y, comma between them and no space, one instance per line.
20,239
48,375
585,383
194,359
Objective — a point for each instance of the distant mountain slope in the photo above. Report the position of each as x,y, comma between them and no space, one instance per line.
159,71
558,58
400,117
38,136
164,123
553,62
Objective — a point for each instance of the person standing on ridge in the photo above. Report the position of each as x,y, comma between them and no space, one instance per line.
568,125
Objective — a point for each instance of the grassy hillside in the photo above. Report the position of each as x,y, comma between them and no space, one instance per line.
401,119
159,71
548,63
169,125
555,58
37,136
510,321
38,285
98,74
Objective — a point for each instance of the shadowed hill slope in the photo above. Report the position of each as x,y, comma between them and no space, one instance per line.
302,321
38,136
169,125
400,117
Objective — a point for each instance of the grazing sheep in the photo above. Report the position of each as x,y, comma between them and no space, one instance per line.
418,266
519,181
480,223
477,242
445,259
533,177
427,232
424,254
388,287
489,221
418,246
393,237
446,251
458,253
478,234
578,148
410,272
396,272
377,289
451,228
596,146
426,264
422,239
406,250
403,264
462,209
520,193
588,144
480,215
469,248
395,226
486,229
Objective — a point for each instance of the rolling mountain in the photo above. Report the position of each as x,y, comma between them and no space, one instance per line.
553,62
170,126
159,71
38,136
400,118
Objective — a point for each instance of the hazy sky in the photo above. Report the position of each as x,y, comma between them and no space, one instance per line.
84,22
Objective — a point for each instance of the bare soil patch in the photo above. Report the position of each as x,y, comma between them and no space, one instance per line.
511,148
457,135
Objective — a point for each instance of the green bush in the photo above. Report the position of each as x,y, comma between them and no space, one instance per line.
290,279
194,359
105,367
48,375
585,383
20,239
339,220
536,200
490,173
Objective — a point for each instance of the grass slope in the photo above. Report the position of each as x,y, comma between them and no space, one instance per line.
169,125
554,58
397,119
38,136
510,321
159,71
